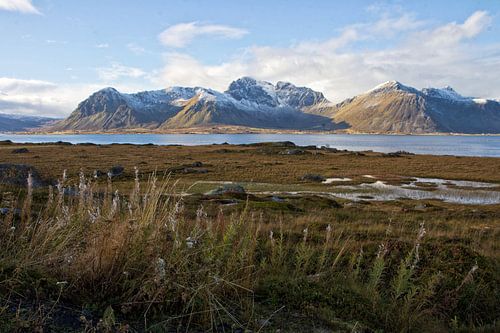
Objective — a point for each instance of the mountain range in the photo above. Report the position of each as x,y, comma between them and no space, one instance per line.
395,108
388,108
18,123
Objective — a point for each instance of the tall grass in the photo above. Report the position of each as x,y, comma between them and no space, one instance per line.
141,258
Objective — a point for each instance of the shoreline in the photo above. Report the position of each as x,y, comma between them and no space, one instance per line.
396,152
239,131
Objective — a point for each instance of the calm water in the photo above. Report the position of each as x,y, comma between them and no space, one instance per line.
436,145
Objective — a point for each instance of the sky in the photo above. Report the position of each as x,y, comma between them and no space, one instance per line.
55,53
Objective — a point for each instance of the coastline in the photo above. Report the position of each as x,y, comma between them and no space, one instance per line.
239,130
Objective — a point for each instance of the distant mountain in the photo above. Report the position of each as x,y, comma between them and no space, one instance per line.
388,108
395,108
247,102
252,103
17,123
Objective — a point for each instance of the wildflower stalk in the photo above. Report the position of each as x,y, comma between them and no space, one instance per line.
326,247
26,216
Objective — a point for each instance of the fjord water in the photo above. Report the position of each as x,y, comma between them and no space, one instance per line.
424,144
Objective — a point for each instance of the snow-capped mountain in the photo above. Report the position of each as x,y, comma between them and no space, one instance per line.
247,102
390,107
282,95
396,108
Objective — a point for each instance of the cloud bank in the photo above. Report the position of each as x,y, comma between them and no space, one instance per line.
352,62
180,35
36,97
395,46
23,6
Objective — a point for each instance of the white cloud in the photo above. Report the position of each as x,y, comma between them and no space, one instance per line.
117,71
44,98
102,45
23,6
136,48
182,34
343,66
414,52
453,33
35,97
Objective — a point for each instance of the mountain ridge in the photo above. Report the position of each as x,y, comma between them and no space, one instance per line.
390,107
17,123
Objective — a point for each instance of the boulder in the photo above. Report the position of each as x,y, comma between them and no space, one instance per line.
294,151
99,173
228,189
20,151
313,178
117,170
193,170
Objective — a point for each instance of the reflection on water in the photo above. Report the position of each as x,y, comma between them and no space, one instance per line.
425,144
452,191
445,190
334,180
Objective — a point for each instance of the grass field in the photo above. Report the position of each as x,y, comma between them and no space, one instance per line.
150,250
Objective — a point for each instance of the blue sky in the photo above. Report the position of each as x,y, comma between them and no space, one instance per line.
55,53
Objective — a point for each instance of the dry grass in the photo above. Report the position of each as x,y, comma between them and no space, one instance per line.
240,163
141,259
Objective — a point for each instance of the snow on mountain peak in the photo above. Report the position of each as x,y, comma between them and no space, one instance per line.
480,100
249,89
445,93
282,95
389,86
108,89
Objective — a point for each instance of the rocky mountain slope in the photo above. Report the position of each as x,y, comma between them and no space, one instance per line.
395,108
388,108
247,102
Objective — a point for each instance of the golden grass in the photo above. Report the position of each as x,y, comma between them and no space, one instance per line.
141,259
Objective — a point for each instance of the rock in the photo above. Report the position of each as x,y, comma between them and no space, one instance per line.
332,150
117,170
292,152
275,198
398,153
99,173
228,189
313,178
192,170
277,144
283,144
20,151
17,174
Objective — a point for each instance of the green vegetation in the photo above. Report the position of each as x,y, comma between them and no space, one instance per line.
131,254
